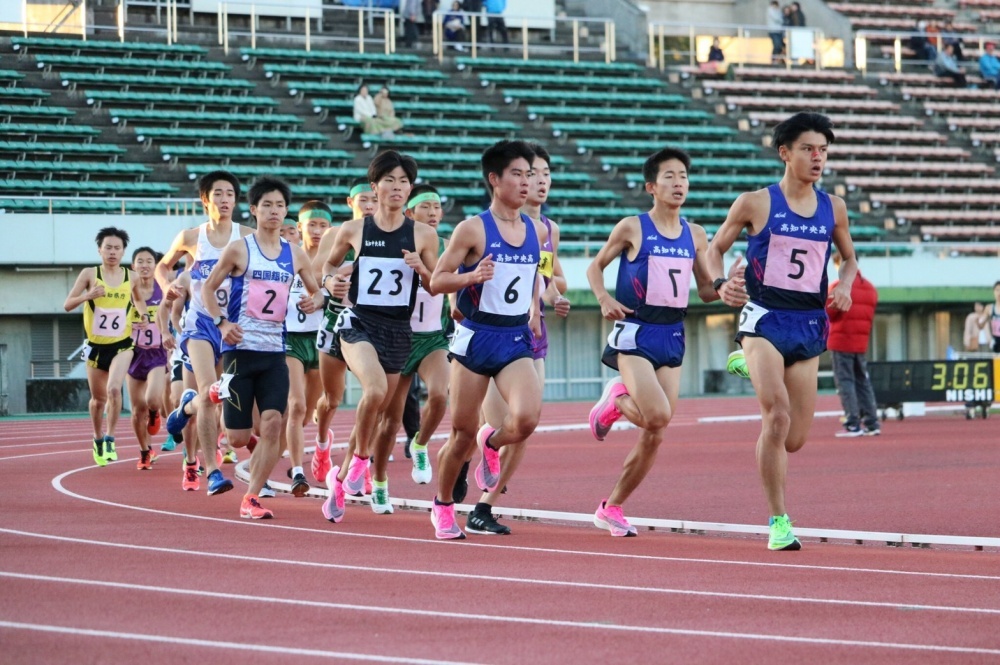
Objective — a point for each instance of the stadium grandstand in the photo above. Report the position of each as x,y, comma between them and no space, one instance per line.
111,109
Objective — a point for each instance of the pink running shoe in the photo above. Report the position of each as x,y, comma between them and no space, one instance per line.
605,413
611,518
320,464
354,484
333,507
251,509
488,471
445,526
190,483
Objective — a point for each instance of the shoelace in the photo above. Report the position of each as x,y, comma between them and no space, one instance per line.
422,459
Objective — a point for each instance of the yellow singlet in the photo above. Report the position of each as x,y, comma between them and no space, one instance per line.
106,319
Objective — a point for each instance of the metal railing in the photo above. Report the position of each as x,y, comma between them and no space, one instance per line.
900,39
171,207
743,44
579,28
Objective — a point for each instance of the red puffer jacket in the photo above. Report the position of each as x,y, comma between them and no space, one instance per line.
850,330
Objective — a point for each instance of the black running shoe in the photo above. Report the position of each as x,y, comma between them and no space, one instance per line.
484,523
461,487
299,485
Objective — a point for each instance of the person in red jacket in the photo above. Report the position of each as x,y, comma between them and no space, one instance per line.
848,342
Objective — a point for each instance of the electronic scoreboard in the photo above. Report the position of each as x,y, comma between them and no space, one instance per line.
967,381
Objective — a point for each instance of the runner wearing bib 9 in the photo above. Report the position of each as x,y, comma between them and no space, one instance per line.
783,327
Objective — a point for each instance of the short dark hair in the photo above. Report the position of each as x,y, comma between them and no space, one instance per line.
499,156
316,204
386,161
206,181
112,232
540,151
148,250
265,184
360,181
651,167
788,131
422,188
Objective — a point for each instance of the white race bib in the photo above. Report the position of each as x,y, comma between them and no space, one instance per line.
427,312
460,341
509,292
749,316
324,340
384,282
622,336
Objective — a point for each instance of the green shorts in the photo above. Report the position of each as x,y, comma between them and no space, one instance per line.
302,346
424,344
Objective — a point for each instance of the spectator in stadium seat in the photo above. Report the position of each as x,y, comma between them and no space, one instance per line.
496,24
366,113
974,338
775,30
387,111
949,36
989,65
454,26
945,66
920,44
798,19
848,343
716,63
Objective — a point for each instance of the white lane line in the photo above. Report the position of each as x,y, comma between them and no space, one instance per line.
528,581
57,484
51,452
551,623
819,414
218,644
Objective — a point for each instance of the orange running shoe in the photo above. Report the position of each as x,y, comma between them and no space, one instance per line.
144,462
191,482
251,509
153,426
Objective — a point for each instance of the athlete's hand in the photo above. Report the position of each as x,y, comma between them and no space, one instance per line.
306,304
535,323
231,332
484,271
95,292
613,310
840,298
561,305
413,260
174,292
341,286
169,343
738,270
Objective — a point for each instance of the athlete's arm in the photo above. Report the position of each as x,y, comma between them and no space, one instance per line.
558,276
323,251
841,295
343,243
703,275
314,301
138,302
741,215
178,248
83,290
465,242
233,260
424,260
622,238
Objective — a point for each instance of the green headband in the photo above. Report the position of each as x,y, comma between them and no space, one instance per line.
314,213
426,196
288,221
357,189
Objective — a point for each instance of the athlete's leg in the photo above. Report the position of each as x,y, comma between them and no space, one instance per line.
191,445
653,396
467,392
333,375
292,436
434,372
767,373
518,385
156,381
140,410
388,425
97,380
800,380
203,362
363,361
116,379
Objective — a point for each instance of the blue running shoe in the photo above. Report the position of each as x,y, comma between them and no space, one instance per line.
218,484
169,444
178,419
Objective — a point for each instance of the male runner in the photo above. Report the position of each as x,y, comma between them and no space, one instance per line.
200,339
784,326
492,264
252,328
108,296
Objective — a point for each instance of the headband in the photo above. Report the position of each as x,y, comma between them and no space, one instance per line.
288,221
314,213
420,198
357,189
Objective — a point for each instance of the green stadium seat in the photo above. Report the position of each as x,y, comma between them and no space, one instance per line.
90,168
739,182
302,57
236,135
461,159
435,125
97,98
86,187
172,117
595,97
517,64
99,63
694,148
329,72
348,90
455,142
127,81
606,83
33,148
11,111
111,206
626,114
10,75
34,128
650,131
21,93
223,154
80,46
409,109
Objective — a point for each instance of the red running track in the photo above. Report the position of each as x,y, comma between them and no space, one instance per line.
113,565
